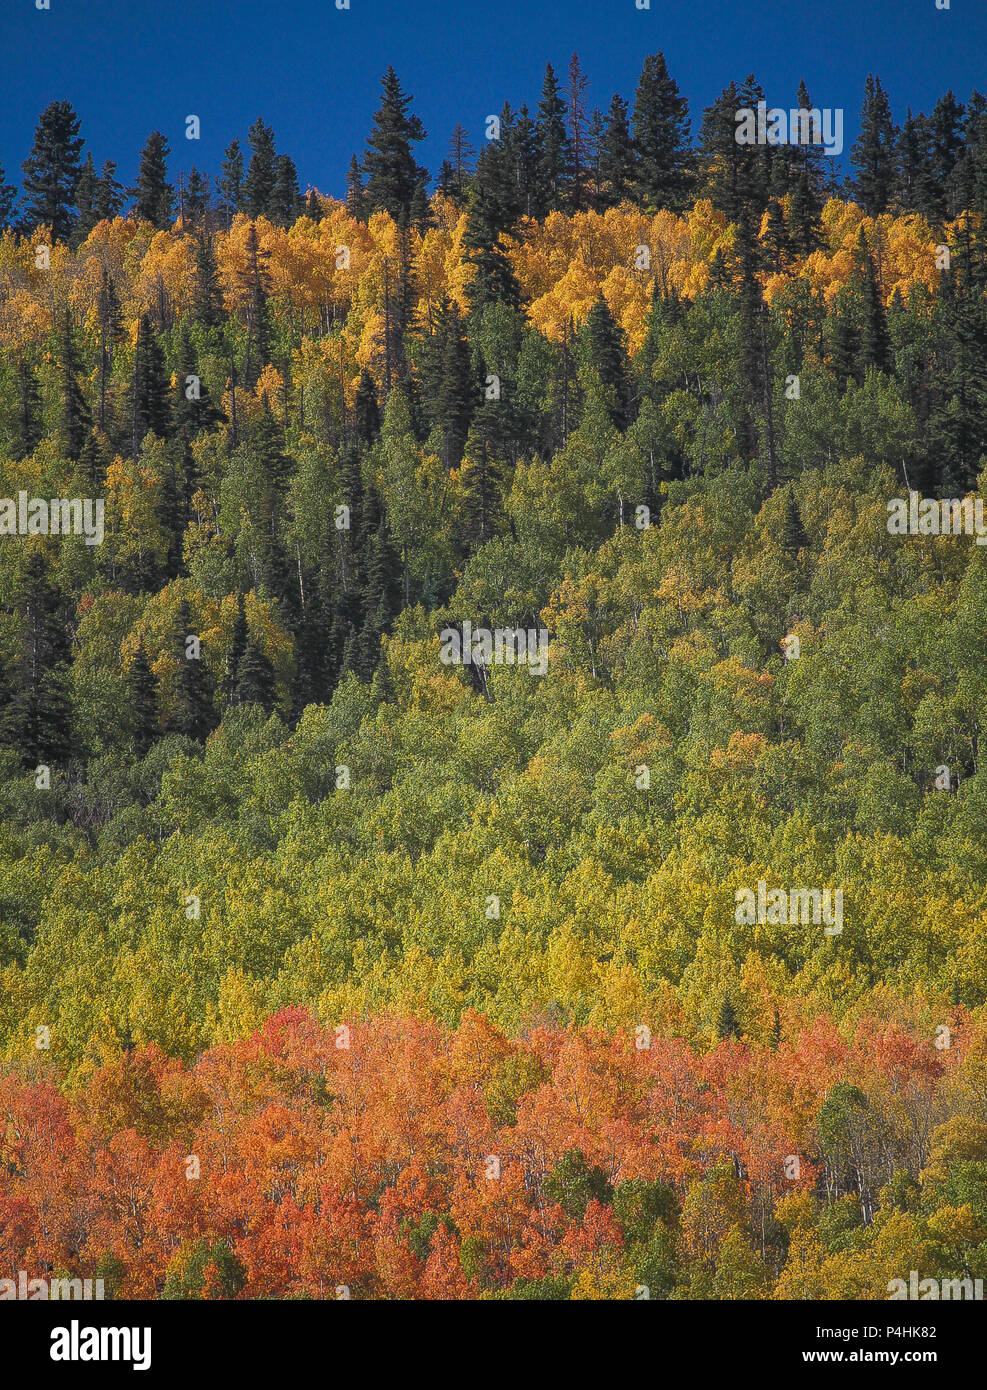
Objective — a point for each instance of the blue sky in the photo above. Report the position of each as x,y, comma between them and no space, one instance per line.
313,72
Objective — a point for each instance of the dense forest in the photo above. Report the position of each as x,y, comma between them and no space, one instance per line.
435,970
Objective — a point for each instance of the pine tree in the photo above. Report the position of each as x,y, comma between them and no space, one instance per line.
40,712
110,332
491,213
873,152
28,419
74,419
51,171
875,344
607,356
238,645
143,702
394,179
286,201
257,350
728,1024
805,228
554,154
255,678
661,133
149,405
208,308
194,712
480,492
195,199
366,410
356,203
109,192
231,181
617,161
461,155
577,132
153,194
259,185
85,201
456,401
793,537
8,201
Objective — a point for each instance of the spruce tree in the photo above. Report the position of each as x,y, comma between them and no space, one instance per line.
356,204
8,201
607,355
259,185
231,181
150,388
617,161
208,308
143,701
255,678
28,417
875,344
728,1024
74,419
51,171
456,401
793,537
554,155
873,153
661,133
86,216
194,712
154,197
366,410
286,201
109,192
40,711
394,180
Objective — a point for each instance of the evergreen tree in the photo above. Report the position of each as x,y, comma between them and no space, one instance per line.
195,199
259,185
28,418
255,678
8,200
74,419
234,657
661,132
143,702
194,712
554,159
491,213
577,133
40,711
153,194
109,192
286,201
805,225
394,180
793,537
231,181
873,152
461,155
257,350
617,162
149,405
607,356
51,171
86,216
366,410
456,400
875,346
356,203
208,309
728,1024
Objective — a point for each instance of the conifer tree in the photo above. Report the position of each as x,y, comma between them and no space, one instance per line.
286,201
8,200
28,418
259,185
149,406
208,294
231,181
461,155
554,159
40,712
86,215
456,400
394,180
238,645
875,346
728,1024
608,358
616,160
109,192
356,203
51,171
143,702
661,132
793,537
74,419
153,194
194,712
366,410
873,152
255,678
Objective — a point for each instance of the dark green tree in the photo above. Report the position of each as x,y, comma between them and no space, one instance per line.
394,180
873,153
51,171
143,702
154,197
661,134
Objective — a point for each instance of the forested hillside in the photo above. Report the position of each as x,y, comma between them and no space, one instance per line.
652,397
